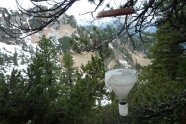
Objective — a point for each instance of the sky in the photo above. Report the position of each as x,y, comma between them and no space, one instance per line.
78,9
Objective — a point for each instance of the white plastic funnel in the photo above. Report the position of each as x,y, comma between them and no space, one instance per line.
121,81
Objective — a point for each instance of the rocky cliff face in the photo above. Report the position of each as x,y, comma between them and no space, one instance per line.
17,53
7,27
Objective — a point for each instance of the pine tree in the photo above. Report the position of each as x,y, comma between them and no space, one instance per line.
165,77
68,74
15,55
43,83
88,89
1,59
167,50
13,102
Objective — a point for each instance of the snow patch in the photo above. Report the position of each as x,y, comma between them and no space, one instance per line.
110,45
125,63
16,56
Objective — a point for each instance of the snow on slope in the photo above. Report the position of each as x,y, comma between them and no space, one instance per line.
125,63
21,53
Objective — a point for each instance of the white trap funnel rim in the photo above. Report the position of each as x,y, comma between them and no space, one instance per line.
123,73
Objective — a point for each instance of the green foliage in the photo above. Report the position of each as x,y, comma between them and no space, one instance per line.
89,37
88,87
65,44
69,19
13,99
167,50
15,58
95,71
182,68
34,23
105,52
1,59
51,94
34,98
161,83
72,21
68,75
7,58
68,61
43,90
148,41
154,86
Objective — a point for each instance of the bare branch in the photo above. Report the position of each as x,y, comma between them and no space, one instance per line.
148,13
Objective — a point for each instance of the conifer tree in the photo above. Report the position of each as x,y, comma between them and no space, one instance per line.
68,75
167,50
13,102
43,83
86,94
15,55
1,59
